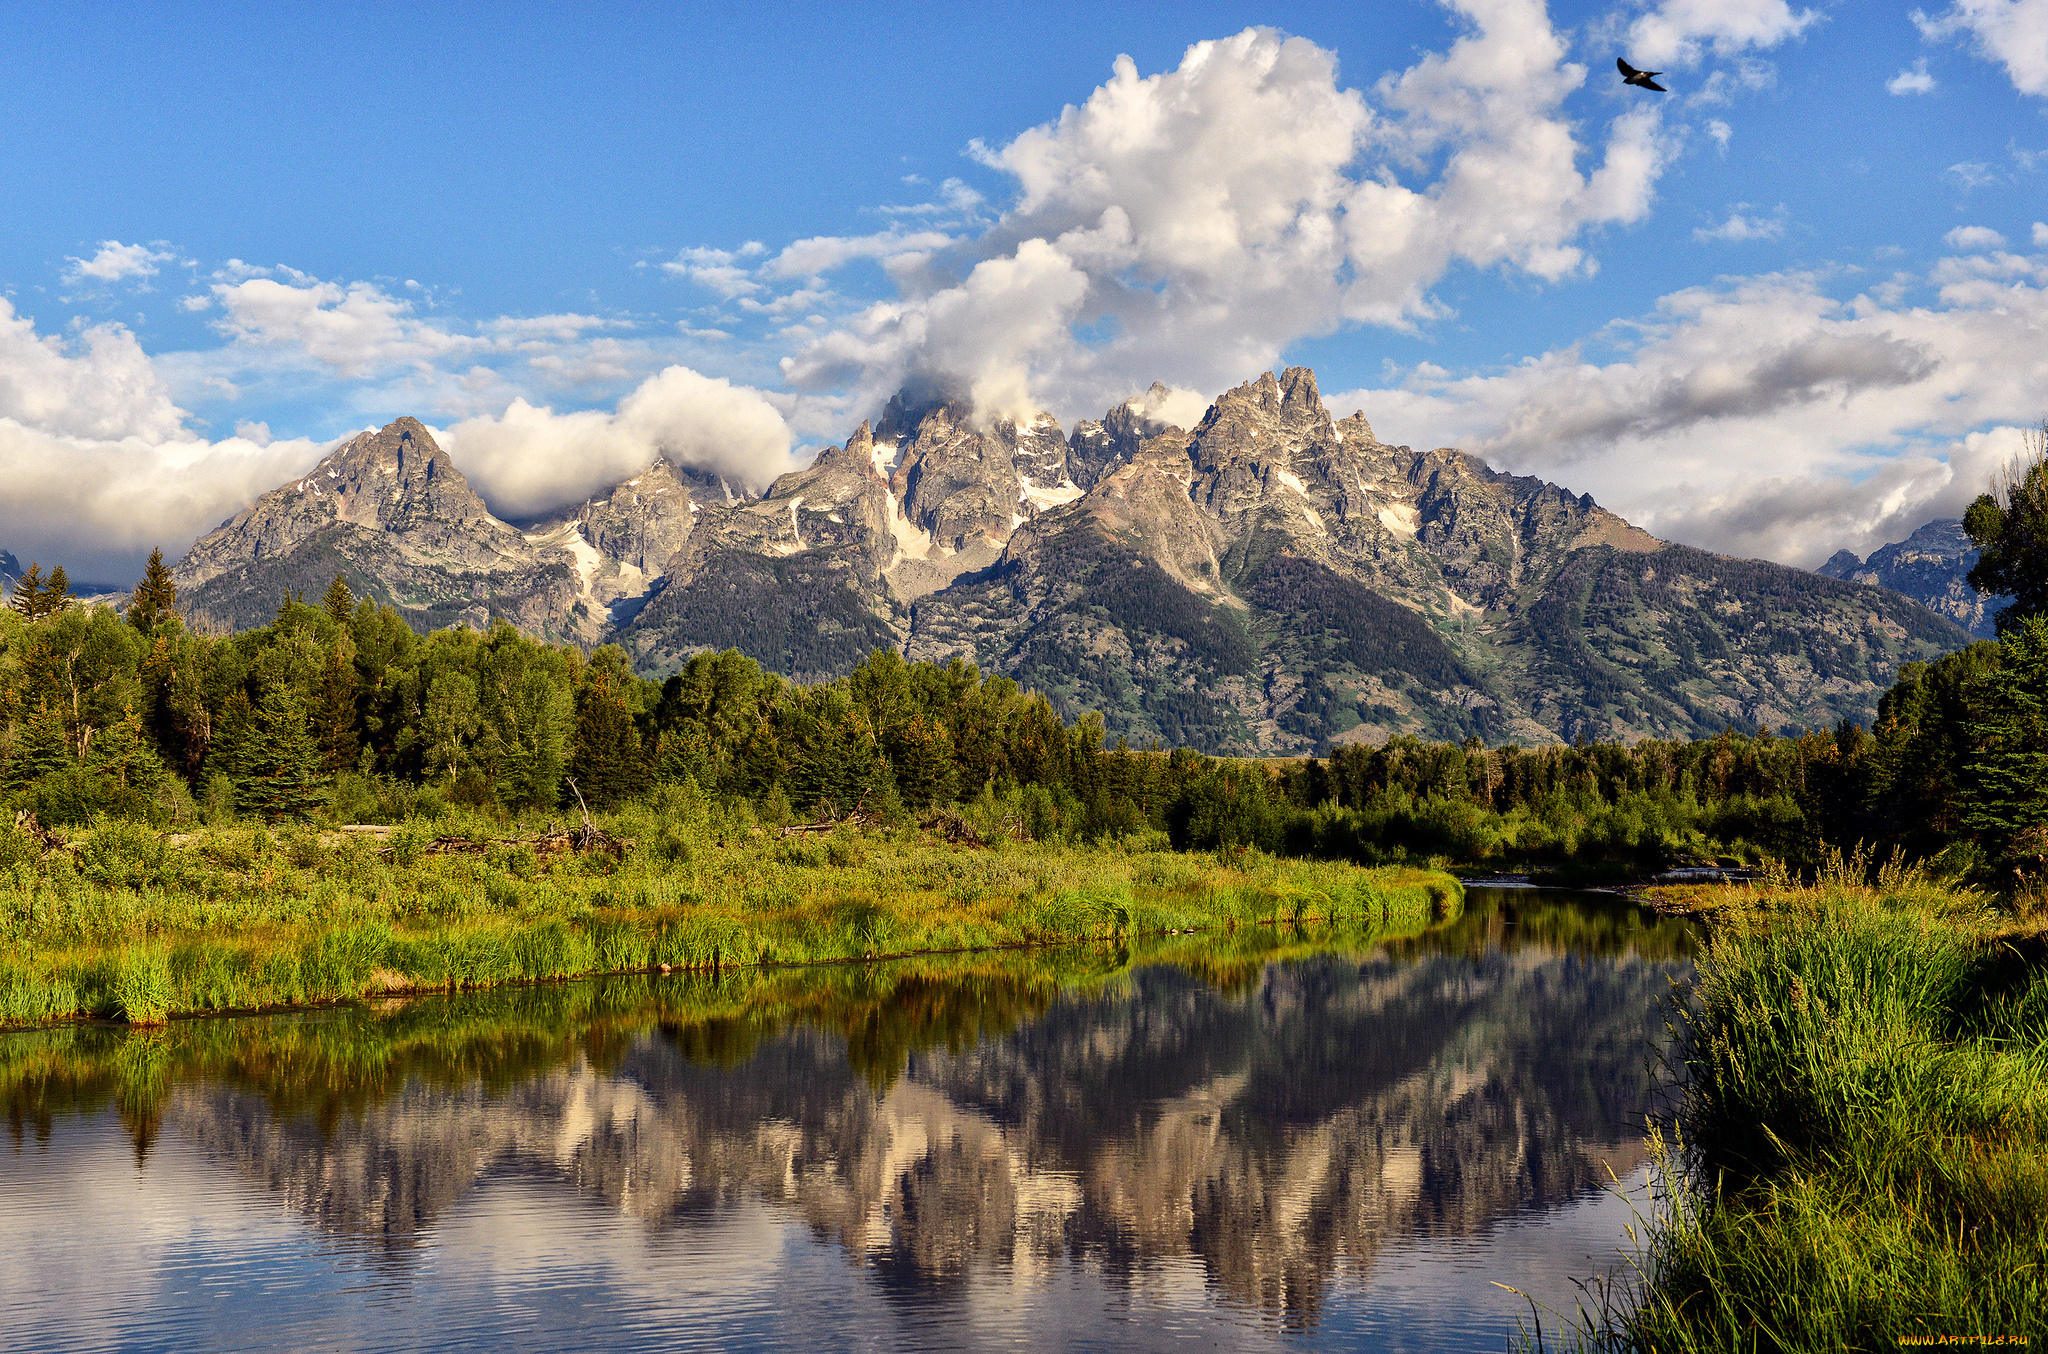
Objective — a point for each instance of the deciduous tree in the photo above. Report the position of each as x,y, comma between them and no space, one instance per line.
2009,525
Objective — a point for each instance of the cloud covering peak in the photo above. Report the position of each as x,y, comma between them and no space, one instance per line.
1188,226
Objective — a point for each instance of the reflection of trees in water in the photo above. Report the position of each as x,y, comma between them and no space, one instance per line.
1280,1133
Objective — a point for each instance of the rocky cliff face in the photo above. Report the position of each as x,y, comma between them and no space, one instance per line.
1931,566
1270,582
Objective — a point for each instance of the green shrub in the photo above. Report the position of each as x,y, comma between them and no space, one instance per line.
410,839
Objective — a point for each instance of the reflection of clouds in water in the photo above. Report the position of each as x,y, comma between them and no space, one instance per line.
181,1262
1345,1139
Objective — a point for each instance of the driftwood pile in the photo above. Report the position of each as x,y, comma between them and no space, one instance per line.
554,842
953,828
860,817
26,823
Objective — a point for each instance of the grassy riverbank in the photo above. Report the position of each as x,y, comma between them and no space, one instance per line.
136,926
1860,1159
345,1058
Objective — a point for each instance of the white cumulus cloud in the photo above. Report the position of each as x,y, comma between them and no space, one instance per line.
531,459
1742,227
1187,226
2013,33
99,385
354,327
1680,32
1913,81
1973,238
115,262
96,459
824,253
1764,417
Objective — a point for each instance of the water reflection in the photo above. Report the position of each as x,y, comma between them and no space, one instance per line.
1256,1121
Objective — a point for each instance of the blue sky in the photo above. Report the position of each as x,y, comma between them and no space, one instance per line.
1801,306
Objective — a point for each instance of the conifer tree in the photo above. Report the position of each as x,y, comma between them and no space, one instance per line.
233,738
42,746
607,764
921,752
35,596
2006,775
125,758
280,761
759,766
340,603
840,766
156,597
334,712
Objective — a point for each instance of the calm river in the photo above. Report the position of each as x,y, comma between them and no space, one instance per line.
1259,1141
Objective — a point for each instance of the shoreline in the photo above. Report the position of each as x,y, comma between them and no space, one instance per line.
382,993
250,922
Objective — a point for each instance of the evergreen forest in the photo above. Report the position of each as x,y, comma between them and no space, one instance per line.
341,713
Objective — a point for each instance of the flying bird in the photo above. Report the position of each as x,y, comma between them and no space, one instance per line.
1640,79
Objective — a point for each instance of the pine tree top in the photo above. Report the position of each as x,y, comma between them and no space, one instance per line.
36,596
340,601
156,596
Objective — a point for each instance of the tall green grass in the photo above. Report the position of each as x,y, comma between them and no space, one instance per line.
133,926
1860,1157
354,1056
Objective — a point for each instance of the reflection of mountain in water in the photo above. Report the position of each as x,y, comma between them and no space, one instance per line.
1277,1134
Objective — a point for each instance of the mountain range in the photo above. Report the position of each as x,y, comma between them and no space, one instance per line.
1931,566
1268,583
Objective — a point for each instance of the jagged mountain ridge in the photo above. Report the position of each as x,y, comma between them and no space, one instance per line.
391,512
1270,582
1931,566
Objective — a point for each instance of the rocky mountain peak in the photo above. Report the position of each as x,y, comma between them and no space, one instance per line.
1289,407
1298,389
1931,566
1356,429
396,481
1098,447
389,511
394,476
961,484
643,521
862,443
1271,581
857,458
